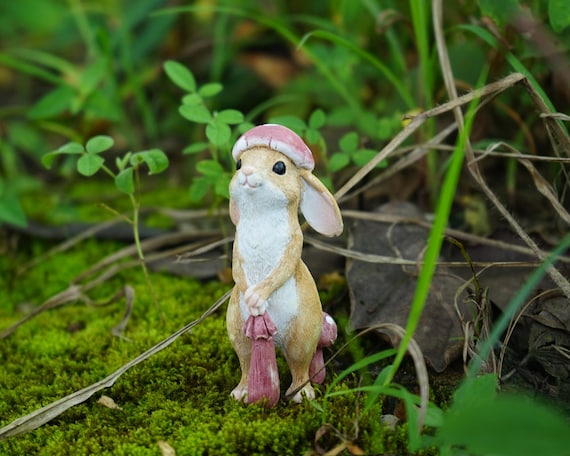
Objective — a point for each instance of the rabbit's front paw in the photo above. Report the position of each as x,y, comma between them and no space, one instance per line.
254,300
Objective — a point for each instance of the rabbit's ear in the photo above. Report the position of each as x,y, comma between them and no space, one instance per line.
319,207
234,212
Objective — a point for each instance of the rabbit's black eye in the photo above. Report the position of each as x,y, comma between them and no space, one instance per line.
238,164
279,168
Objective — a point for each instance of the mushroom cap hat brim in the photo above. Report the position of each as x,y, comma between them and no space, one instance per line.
278,138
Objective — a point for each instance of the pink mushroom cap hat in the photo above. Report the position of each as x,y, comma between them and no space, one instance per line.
278,138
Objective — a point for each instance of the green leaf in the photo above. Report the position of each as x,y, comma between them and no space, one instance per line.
338,161
53,103
71,148
501,11
180,75
195,148
210,168
313,136
47,159
230,116
243,127
218,133
125,181
349,142
155,159
11,211
122,162
222,186
198,189
89,164
66,149
483,388
211,89
195,113
92,76
192,99
99,144
317,119
295,123
559,14
367,123
386,127
362,156
507,425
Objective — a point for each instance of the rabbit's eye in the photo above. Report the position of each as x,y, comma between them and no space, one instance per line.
238,164
279,168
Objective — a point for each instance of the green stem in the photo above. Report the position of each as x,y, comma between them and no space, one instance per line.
425,83
85,29
135,202
135,222
107,170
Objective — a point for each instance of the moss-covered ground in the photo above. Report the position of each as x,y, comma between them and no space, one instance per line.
179,396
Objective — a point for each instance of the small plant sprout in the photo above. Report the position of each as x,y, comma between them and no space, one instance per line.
127,177
215,172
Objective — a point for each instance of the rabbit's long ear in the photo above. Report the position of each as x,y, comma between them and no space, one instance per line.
319,207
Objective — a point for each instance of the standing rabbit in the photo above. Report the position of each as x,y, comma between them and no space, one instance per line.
275,299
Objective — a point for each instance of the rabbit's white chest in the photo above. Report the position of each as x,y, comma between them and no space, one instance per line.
262,245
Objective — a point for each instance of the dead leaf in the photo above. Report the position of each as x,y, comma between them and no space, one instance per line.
354,449
549,335
383,293
166,449
108,402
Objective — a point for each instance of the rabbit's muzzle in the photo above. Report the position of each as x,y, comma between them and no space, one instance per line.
247,177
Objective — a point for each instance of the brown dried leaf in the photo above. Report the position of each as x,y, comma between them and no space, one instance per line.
166,449
383,293
108,402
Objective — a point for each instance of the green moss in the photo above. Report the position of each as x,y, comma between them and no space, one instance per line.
180,395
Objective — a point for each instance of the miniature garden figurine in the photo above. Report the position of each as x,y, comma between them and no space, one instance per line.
275,300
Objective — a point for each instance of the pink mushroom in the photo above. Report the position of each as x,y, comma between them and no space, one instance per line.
279,138
317,371
263,382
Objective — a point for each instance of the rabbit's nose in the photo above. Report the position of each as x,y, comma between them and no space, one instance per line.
247,170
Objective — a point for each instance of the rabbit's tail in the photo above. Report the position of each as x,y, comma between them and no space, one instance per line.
317,370
263,382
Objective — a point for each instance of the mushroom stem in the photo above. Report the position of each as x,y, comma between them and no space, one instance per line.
263,382
317,372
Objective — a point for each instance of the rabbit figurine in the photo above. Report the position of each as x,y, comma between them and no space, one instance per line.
275,299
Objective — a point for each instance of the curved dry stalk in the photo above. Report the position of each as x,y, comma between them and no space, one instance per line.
469,327
383,259
518,155
71,294
512,324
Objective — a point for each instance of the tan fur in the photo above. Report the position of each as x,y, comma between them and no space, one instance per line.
298,339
